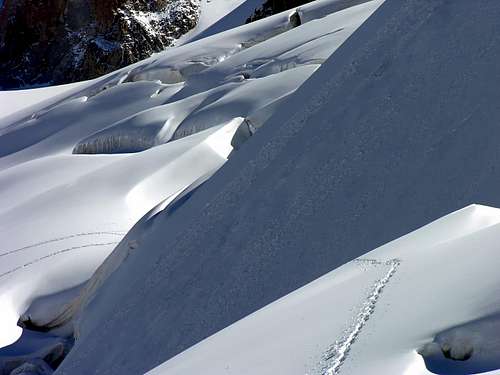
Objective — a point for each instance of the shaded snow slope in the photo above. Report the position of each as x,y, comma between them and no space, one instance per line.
80,167
397,128
14,101
218,16
383,305
88,217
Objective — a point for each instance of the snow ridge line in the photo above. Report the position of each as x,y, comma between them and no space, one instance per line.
54,254
111,233
335,356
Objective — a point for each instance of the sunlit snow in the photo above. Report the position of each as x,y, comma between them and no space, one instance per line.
209,210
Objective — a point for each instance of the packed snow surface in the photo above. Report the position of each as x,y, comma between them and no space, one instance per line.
81,164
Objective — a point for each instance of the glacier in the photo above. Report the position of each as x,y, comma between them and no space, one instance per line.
269,198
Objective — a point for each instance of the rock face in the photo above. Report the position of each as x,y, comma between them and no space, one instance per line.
60,41
270,7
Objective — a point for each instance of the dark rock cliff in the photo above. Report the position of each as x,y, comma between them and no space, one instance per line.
270,7
59,41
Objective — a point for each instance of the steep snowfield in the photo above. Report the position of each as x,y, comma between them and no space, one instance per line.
81,164
218,16
373,314
397,128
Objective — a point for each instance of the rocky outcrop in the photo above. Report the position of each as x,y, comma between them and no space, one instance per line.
60,41
270,7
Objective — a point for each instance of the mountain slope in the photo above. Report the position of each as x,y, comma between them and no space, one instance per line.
81,164
397,128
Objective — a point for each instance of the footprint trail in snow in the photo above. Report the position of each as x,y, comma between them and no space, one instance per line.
335,355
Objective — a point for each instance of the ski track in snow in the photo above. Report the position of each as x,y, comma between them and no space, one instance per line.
335,356
111,233
54,254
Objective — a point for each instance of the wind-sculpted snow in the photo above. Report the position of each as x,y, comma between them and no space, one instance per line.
396,128
153,129
176,75
245,98
68,315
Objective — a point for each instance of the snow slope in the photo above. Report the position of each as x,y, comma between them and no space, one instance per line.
14,101
87,215
373,314
217,16
79,168
397,128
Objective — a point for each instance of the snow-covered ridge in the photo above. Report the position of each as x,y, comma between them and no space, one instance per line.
155,129
376,311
